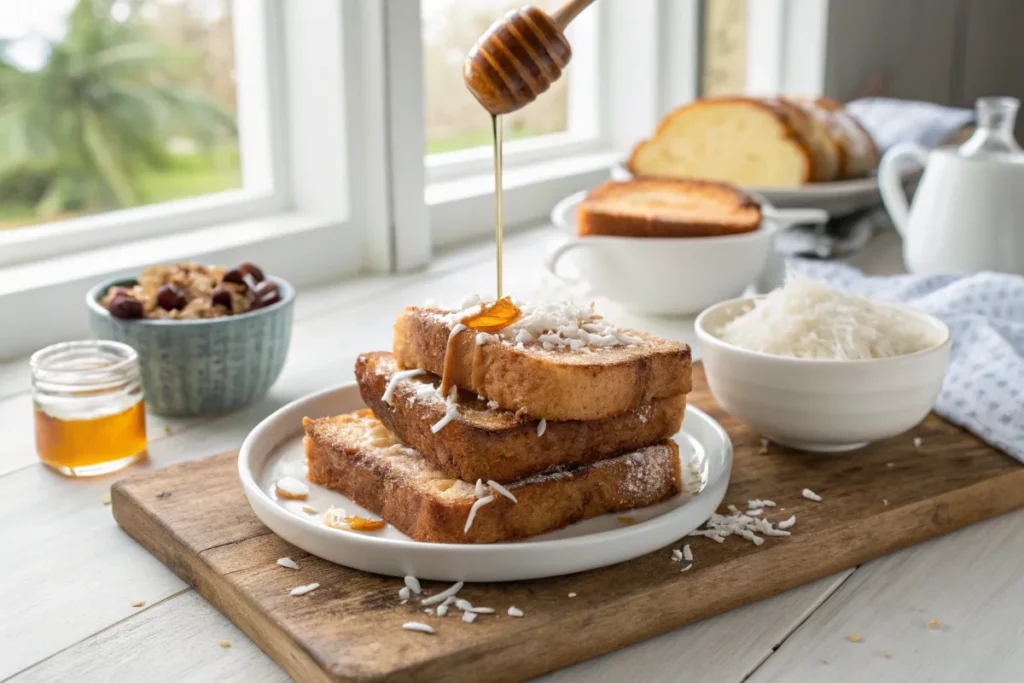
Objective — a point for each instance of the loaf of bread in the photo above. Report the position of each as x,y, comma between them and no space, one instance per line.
650,207
771,142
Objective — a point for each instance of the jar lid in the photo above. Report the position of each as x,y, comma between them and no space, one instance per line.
84,365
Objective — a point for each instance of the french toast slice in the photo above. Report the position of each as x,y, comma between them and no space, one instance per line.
490,443
357,456
558,362
652,207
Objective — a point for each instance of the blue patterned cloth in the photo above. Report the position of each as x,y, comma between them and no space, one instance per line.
984,387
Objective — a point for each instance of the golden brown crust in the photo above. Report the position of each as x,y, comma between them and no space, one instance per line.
654,209
816,135
394,481
789,132
485,443
559,384
858,153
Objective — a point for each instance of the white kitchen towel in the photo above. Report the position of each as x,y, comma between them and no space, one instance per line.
891,121
984,387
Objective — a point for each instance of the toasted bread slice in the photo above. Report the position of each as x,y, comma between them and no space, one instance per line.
357,456
652,207
491,443
749,142
547,364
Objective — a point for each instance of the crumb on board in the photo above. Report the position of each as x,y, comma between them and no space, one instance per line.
572,595
163,494
854,638
810,495
917,442
225,643
106,498
933,624
138,603
885,501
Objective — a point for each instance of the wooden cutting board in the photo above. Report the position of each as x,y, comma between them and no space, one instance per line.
195,518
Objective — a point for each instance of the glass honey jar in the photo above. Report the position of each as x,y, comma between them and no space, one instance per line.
90,418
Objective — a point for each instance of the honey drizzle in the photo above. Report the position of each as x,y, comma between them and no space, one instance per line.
496,127
449,361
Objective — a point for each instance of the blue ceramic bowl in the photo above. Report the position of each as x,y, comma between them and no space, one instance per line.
199,367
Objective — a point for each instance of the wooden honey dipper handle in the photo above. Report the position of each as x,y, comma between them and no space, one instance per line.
519,57
569,11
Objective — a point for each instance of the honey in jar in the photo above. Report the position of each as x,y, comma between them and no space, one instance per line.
90,418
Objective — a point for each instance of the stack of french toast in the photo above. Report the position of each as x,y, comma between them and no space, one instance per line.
499,421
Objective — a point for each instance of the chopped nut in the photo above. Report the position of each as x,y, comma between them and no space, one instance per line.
225,643
106,498
138,603
854,638
934,624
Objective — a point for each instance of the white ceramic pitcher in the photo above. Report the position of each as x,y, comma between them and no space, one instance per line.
968,212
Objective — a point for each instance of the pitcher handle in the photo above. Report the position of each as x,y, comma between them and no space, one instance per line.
890,182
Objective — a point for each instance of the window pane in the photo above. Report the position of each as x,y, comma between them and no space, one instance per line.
455,120
108,104
725,47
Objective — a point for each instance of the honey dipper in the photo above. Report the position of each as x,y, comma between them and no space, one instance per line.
520,56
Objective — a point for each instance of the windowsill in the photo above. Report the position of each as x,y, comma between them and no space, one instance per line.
48,294
459,208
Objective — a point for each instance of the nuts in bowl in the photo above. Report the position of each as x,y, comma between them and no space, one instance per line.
189,291
209,338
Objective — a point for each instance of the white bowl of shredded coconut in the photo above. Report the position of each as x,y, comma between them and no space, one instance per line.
817,369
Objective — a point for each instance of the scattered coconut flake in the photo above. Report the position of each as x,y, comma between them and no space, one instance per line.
288,562
934,624
106,498
786,523
917,442
413,584
486,500
480,492
810,495
572,595
463,604
854,638
403,602
225,643
758,503
493,405
138,603
677,555
734,510
514,611
418,626
429,610
687,553
541,427
754,513
686,568
468,617
442,610
404,593
444,595
450,414
479,610
885,501
498,488
302,590
763,450
396,378
292,488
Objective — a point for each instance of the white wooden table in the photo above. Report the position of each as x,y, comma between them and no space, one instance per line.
69,575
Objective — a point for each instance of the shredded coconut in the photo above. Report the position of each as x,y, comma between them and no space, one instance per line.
479,489
288,562
417,626
463,605
786,523
514,611
479,610
806,318
687,568
498,488
468,617
758,503
754,513
559,324
404,593
444,595
917,442
541,427
572,595
486,500
413,584
687,553
442,610
451,413
395,379
302,590
810,495
677,555
719,527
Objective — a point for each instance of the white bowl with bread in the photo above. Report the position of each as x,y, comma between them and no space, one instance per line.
818,370
793,151
668,247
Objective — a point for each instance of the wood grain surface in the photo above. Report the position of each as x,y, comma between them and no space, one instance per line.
194,518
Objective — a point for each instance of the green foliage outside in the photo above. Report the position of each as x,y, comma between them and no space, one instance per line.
89,131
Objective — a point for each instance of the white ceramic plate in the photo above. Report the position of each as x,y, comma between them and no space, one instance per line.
839,198
274,449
